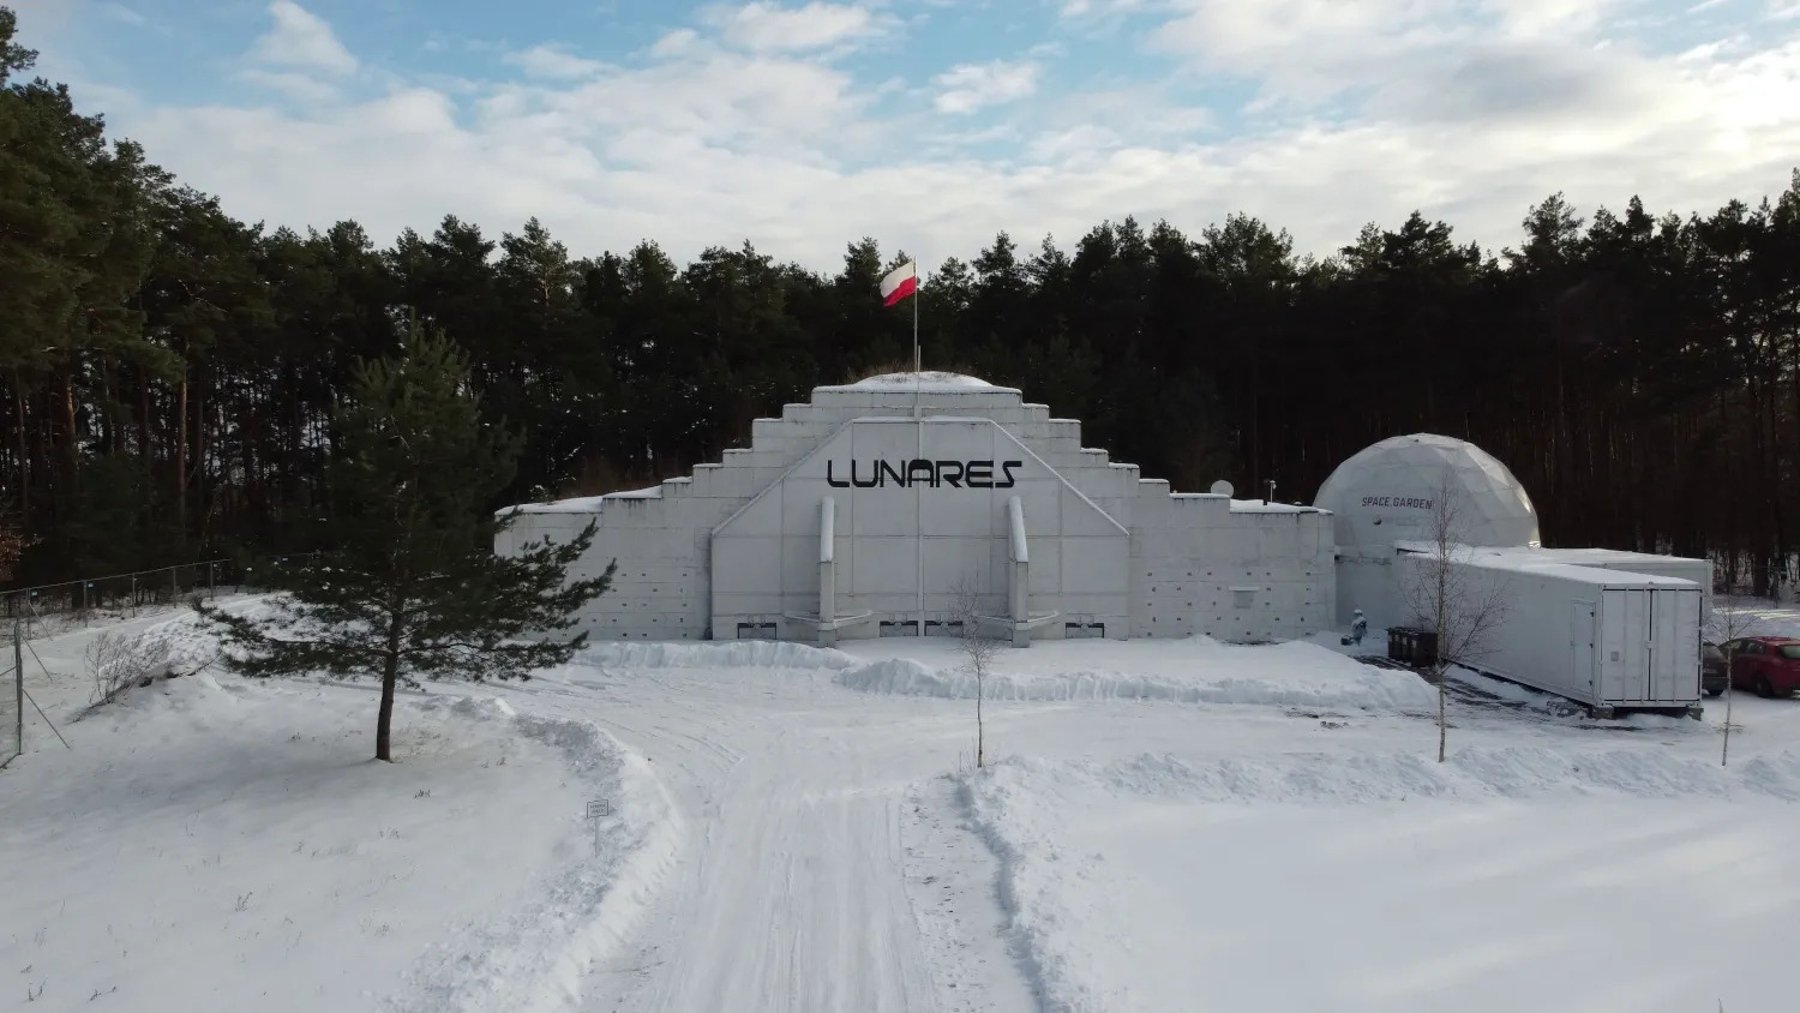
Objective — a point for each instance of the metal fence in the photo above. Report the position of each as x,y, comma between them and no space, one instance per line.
120,591
12,701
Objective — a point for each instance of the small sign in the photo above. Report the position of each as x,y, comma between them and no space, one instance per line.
597,810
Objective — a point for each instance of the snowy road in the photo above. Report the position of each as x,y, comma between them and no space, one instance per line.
792,890
829,863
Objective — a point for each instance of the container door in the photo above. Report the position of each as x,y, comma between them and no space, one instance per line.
1621,650
1635,667
1659,640
1675,646
1582,624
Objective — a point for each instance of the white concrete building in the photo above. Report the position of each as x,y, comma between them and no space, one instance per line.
849,517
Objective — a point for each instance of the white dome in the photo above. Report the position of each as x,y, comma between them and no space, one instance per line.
929,378
1387,493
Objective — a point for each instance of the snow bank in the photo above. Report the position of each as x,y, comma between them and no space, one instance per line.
723,654
1187,671
1153,883
1471,772
210,842
535,957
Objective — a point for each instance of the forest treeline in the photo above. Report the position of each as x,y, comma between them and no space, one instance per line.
170,373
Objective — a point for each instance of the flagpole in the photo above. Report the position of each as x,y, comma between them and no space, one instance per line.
919,427
918,379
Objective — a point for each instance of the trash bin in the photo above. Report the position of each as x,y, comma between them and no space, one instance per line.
1412,646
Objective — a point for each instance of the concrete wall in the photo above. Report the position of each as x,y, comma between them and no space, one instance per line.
765,557
733,549
1201,567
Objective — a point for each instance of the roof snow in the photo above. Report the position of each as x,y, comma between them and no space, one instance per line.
933,378
583,504
929,382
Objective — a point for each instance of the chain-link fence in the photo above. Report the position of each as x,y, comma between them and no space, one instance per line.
48,608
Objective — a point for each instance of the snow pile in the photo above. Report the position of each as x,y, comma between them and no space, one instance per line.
1199,670
536,956
723,654
1154,883
1473,772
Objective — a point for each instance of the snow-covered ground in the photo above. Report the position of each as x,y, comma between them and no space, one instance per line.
213,843
1163,825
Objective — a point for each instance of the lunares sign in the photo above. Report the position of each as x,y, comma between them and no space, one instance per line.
879,474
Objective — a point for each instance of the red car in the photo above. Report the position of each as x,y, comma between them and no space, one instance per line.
1768,665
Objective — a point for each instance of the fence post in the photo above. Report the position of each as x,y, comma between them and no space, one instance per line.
174,592
18,689
212,580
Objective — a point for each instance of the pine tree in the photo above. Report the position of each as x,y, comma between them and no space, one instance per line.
411,587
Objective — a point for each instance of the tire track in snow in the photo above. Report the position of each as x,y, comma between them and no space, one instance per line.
791,890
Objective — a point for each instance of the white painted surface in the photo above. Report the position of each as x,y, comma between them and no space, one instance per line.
726,553
1646,651
1384,493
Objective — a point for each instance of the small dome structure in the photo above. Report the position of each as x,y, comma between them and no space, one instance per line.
929,378
1387,493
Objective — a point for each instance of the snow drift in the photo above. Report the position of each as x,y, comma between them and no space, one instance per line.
1187,671
1153,882
722,654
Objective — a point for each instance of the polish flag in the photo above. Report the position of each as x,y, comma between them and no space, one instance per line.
901,282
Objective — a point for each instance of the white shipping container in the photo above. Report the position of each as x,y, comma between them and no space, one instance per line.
1700,571
1605,638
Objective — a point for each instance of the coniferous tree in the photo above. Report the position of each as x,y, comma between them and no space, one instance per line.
412,587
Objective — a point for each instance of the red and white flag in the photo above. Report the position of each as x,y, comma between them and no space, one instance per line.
901,282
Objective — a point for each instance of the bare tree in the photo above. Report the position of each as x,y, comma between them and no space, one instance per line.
978,643
1727,622
1460,604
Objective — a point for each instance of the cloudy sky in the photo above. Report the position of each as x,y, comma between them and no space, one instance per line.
932,124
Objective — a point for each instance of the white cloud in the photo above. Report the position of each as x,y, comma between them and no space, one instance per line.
722,144
1307,50
973,86
1086,8
120,12
297,87
552,62
301,39
768,27
675,43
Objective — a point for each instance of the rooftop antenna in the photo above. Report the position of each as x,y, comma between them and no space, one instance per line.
1270,497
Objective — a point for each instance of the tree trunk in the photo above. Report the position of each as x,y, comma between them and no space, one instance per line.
24,452
181,456
390,674
1443,673
978,726
65,403
143,433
